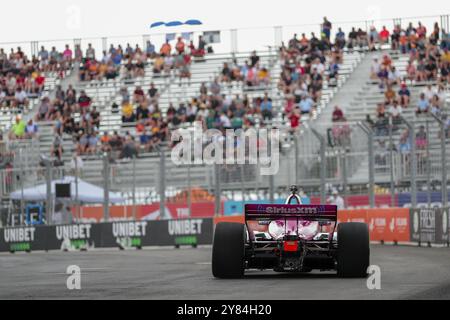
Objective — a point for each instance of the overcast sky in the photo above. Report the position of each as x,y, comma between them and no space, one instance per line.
67,19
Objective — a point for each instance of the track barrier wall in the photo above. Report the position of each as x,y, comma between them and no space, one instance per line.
120,234
398,225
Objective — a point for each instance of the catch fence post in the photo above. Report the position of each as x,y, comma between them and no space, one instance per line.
217,191
412,136
443,161
106,173
323,165
370,137
162,183
391,161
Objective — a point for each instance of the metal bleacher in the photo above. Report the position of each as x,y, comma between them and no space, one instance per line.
365,104
171,90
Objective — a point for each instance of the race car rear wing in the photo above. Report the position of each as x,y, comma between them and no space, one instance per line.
321,213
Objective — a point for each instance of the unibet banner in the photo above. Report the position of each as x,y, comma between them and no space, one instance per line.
121,234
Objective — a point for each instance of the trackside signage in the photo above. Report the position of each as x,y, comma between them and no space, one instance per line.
22,239
73,237
127,234
430,225
123,234
185,227
186,232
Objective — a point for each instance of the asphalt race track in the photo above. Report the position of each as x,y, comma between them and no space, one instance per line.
165,273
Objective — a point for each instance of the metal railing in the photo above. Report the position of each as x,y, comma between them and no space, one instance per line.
231,40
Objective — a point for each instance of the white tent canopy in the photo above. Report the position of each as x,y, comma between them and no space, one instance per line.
87,193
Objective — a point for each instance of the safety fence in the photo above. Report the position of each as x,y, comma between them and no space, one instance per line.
424,226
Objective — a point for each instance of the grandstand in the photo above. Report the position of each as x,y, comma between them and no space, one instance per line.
273,87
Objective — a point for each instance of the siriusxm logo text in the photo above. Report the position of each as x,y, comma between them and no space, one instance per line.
291,210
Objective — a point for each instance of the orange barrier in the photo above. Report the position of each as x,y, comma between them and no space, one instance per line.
388,225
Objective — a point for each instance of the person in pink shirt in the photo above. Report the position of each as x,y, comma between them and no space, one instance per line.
67,54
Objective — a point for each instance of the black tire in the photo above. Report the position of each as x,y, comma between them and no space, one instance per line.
353,250
228,251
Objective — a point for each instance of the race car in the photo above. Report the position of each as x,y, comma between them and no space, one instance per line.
291,238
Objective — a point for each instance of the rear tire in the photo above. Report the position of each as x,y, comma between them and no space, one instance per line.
228,251
353,250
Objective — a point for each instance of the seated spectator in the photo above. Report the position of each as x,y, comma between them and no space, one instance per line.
394,76
31,130
200,51
405,143
333,71
295,118
18,129
306,105
435,106
138,95
266,108
153,91
20,99
404,95
423,105
411,72
384,35
431,70
129,149
390,95
395,111
116,142
158,65
84,101
226,73
263,77
94,118
92,142
57,148
44,110
338,115
421,139
128,113
105,142
146,141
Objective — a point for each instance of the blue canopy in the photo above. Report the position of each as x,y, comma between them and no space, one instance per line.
174,23
157,24
193,22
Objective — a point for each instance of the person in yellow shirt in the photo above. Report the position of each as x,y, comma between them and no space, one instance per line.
128,112
18,129
263,76
158,64
446,56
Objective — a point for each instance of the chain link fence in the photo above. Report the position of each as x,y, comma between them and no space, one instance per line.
353,158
